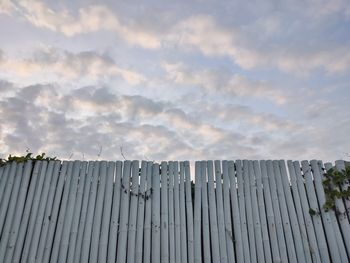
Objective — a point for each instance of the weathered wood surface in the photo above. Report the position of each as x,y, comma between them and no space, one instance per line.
131,211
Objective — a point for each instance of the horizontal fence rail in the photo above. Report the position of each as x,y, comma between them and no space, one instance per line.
131,211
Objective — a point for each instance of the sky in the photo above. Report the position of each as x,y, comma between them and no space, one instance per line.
175,80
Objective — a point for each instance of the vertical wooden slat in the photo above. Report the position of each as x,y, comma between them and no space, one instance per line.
148,214
255,212
220,212
310,190
114,225
7,194
83,213
313,246
155,255
55,212
197,215
19,210
141,213
276,210
171,214
235,213
177,213
106,214
61,218
189,213
205,228
262,214
291,212
336,254
96,228
85,246
48,212
299,212
77,212
133,212
62,256
11,209
248,207
340,166
124,213
227,214
164,227
214,234
41,211
183,214
269,212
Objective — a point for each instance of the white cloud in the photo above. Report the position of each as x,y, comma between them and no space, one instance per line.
224,82
67,66
89,19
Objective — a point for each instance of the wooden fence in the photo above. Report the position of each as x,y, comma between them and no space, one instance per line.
242,211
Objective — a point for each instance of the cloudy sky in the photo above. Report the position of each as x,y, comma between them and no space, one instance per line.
182,80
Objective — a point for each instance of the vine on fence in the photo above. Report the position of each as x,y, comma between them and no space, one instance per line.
332,185
24,158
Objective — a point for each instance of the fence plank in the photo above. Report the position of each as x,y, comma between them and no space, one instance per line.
189,213
220,212
321,240
212,214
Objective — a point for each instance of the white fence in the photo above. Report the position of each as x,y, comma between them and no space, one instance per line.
242,211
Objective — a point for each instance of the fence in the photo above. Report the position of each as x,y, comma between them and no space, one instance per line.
242,211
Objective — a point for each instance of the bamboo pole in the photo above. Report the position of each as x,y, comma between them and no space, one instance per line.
85,246
48,212
242,211
299,212
314,250
227,214
197,215
183,214
336,254
155,255
55,212
4,179
321,240
96,228
340,166
77,213
269,213
114,224
41,212
205,228
248,206
7,194
61,218
255,212
124,213
291,212
141,213
189,213
292,255
11,210
164,230
34,212
235,213
133,212
262,214
68,218
19,210
277,212
106,215
171,214
148,215
212,214
177,214
83,213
